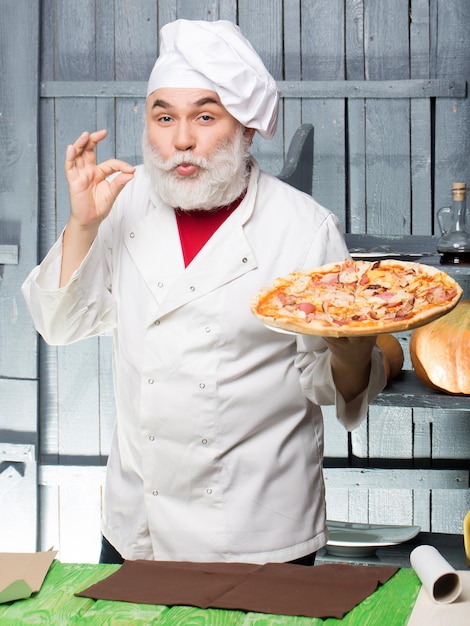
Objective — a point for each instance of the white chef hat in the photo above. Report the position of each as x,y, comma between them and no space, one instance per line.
216,56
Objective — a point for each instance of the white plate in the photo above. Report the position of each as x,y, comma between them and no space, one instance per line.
281,330
354,539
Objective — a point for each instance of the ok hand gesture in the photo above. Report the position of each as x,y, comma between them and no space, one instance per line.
91,194
91,197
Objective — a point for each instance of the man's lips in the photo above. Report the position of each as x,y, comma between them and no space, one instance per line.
186,169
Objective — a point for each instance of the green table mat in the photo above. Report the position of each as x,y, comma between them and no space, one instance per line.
55,604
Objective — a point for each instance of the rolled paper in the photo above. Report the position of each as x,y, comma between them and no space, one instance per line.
438,577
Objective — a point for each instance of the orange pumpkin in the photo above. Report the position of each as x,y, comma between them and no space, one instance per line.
440,351
393,354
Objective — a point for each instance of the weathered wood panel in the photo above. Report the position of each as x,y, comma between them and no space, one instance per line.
18,183
450,58
292,108
420,147
18,231
289,89
322,50
387,123
252,13
355,71
18,465
72,497
448,509
376,79
78,425
389,496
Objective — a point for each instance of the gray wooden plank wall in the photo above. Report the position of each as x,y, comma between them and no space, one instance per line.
383,83
18,227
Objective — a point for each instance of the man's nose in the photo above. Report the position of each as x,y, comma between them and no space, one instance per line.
184,139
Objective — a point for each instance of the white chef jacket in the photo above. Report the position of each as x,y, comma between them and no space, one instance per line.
218,446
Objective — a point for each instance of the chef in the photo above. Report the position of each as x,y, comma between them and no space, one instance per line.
218,444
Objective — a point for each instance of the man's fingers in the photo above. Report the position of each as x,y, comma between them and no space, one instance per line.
82,141
70,154
84,147
89,141
98,135
85,142
112,166
119,182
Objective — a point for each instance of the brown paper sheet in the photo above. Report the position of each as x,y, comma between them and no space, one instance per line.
22,574
276,588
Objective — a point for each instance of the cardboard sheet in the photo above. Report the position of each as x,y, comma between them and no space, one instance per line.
21,574
432,614
278,588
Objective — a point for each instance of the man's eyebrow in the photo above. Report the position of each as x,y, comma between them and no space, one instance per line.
163,104
207,100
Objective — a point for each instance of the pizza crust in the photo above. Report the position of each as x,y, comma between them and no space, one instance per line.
265,305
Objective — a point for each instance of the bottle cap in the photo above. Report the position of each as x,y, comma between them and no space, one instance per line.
458,191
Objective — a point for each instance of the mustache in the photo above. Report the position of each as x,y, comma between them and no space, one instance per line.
188,158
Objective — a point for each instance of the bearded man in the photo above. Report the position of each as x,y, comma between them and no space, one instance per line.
218,446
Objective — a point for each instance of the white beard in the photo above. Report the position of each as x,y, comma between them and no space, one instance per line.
218,181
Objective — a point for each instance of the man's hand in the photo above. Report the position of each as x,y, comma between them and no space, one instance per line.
91,194
91,197
350,363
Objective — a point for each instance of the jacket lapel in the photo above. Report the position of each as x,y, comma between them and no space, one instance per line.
156,251
226,256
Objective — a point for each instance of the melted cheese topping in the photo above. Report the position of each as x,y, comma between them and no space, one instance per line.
358,293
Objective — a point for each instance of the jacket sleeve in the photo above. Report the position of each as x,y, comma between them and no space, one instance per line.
82,308
317,383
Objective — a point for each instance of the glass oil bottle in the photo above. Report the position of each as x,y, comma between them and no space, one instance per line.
454,243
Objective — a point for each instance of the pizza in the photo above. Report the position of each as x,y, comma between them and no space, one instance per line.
357,297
